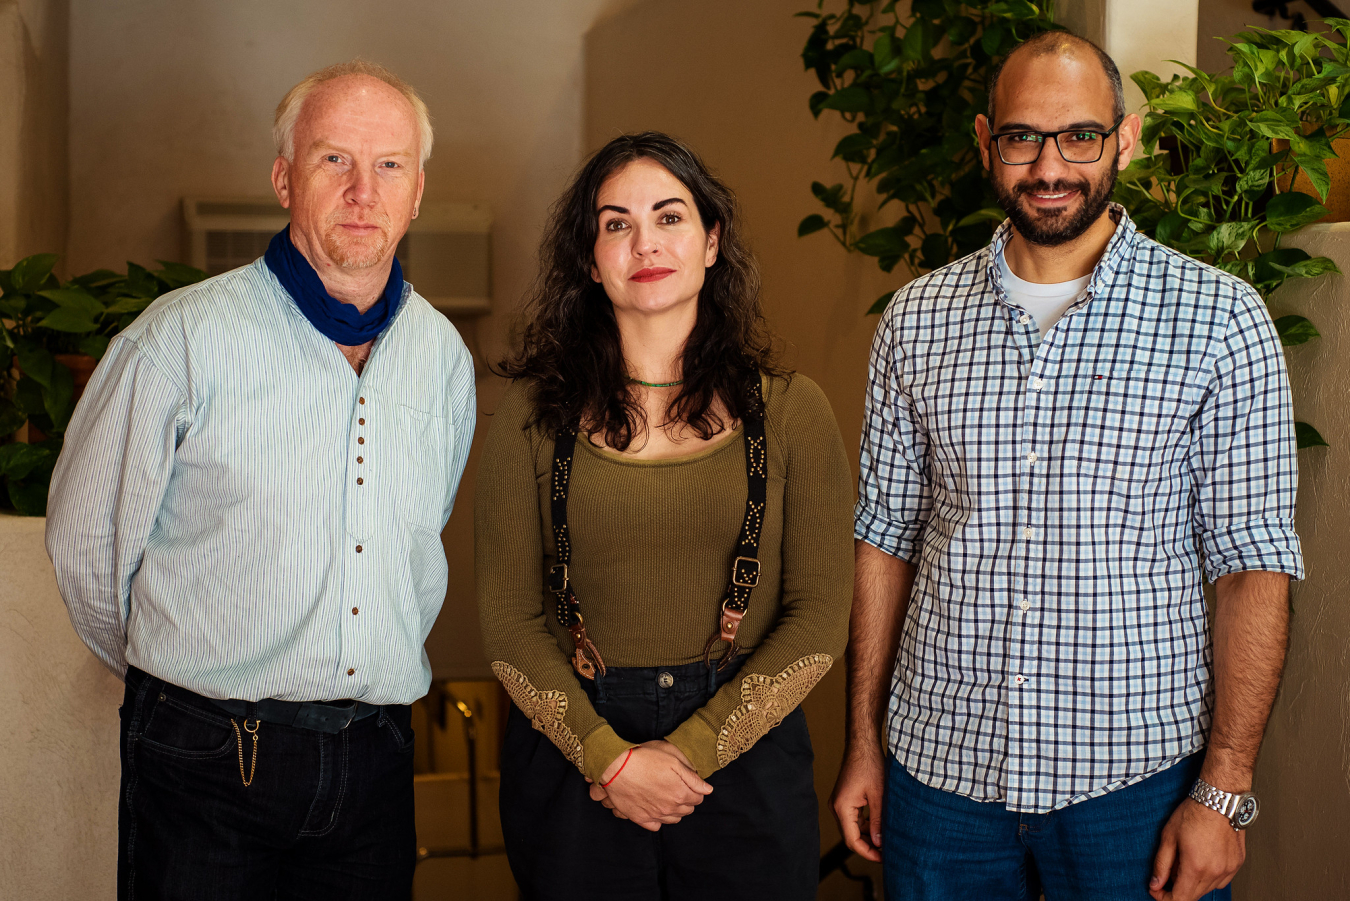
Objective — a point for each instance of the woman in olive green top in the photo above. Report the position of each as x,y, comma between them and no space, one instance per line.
664,553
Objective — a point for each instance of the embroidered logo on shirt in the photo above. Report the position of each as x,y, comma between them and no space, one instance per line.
765,701
545,710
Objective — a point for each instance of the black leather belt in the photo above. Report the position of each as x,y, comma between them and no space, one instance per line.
321,717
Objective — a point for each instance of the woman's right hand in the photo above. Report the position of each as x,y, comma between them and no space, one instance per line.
655,787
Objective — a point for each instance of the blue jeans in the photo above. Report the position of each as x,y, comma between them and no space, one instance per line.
940,846
327,815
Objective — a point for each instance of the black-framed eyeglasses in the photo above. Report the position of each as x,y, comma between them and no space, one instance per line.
1076,145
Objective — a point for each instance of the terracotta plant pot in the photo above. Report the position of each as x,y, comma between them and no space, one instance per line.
1338,197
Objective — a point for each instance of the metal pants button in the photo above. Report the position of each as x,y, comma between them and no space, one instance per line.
665,680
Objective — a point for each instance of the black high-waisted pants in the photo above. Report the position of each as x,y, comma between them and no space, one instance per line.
755,836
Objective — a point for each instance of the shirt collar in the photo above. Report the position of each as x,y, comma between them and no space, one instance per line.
1118,250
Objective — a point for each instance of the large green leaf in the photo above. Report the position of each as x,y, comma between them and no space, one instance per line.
882,243
76,300
17,461
59,398
36,363
1272,266
1316,171
853,148
851,99
1307,436
1231,237
29,498
1309,268
94,345
857,58
64,319
1177,102
132,304
29,274
935,251
11,417
812,223
879,305
1170,228
1292,210
1273,124
1295,330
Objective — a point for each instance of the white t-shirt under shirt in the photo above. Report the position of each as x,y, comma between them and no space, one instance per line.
1045,303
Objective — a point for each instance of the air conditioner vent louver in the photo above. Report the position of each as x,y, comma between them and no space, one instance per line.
446,253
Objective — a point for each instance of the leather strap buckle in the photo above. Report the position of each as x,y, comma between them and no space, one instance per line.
557,577
745,572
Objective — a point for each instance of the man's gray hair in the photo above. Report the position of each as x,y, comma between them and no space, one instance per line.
1063,42
288,111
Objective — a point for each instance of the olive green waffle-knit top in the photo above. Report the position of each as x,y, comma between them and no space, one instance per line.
652,547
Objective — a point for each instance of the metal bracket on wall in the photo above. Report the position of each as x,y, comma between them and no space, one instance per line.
1323,8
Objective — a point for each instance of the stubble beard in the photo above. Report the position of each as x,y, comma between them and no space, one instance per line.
1056,227
351,252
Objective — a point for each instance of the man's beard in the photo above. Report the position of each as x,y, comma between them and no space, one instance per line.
1050,229
351,252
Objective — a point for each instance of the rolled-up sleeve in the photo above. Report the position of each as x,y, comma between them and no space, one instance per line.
1243,455
106,492
894,496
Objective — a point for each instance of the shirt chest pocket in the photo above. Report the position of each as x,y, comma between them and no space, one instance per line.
420,457
1128,428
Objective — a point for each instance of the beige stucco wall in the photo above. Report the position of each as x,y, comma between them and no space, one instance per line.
1298,849
58,749
34,197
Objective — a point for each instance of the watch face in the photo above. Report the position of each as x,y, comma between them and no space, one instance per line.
1246,812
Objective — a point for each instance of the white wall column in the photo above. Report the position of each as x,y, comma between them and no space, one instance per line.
1138,34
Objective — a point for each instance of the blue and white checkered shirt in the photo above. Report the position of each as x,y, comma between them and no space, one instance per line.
1057,499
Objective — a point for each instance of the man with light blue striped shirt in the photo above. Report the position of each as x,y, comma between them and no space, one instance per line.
1066,433
246,518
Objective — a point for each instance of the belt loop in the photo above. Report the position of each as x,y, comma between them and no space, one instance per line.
599,686
712,678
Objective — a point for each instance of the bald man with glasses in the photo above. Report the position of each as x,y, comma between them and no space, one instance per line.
1066,434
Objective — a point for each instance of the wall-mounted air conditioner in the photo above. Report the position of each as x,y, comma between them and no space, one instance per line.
445,254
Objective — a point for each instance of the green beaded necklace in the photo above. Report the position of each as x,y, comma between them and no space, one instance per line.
656,384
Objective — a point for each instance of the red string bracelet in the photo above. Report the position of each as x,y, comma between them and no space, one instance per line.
621,766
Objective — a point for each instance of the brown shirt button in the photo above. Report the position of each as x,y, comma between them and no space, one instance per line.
360,481
351,672
358,548
360,422
360,460
360,400
360,441
355,610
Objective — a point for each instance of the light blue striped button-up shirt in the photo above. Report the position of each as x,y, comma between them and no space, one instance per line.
237,512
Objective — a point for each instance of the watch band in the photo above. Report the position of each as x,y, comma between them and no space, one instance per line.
1240,808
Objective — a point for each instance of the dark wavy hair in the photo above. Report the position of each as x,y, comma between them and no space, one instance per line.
571,348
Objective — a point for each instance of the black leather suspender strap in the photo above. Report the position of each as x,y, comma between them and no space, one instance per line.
745,566
586,658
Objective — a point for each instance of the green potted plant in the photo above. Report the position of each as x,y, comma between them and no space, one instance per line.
52,334
911,81
1223,156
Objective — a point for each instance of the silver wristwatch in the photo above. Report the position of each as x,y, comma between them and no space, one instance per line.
1240,807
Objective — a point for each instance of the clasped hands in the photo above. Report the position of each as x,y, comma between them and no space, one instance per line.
657,786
